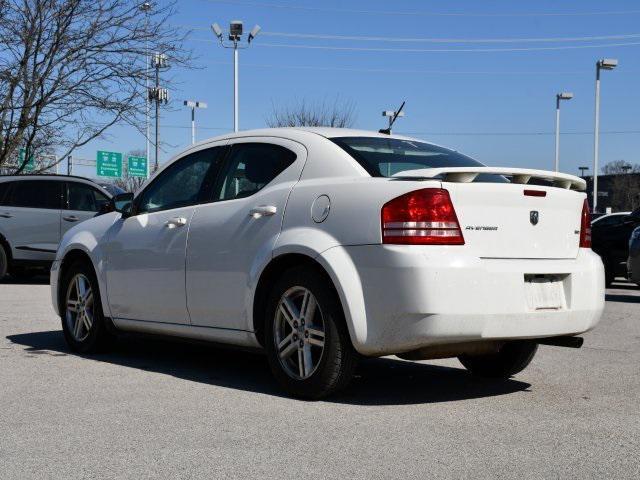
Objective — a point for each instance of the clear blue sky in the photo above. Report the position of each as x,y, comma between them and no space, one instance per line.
498,107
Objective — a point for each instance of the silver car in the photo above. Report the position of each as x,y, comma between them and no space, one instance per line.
36,211
633,262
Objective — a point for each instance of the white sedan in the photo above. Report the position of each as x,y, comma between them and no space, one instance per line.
324,245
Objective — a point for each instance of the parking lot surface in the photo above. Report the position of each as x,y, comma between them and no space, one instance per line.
159,409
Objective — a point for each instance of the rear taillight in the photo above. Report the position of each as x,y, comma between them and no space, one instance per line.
585,226
422,217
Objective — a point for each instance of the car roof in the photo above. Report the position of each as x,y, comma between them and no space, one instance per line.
289,132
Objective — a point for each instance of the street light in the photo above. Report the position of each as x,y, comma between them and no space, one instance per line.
604,64
192,104
235,37
559,97
392,115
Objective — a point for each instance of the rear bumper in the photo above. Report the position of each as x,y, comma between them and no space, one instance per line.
419,296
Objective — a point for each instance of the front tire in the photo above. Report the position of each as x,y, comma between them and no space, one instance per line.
306,338
83,322
512,358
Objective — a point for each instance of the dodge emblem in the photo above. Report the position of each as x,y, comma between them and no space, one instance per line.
534,216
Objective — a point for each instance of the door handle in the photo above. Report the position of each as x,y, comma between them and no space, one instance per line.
6,215
176,222
70,218
262,211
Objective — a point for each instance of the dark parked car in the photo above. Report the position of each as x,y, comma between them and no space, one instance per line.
611,242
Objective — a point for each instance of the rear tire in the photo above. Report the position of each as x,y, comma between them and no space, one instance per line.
512,358
4,262
306,338
83,322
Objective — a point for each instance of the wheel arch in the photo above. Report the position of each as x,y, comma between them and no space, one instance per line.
72,255
339,272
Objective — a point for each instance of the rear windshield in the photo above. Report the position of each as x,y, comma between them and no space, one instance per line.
384,157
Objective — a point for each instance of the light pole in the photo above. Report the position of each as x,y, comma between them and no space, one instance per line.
582,170
559,97
146,8
235,37
192,104
604,64
159,95
392,115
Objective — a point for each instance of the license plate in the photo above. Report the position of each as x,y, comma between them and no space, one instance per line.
544,292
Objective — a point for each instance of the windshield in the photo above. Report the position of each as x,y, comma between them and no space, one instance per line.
384,157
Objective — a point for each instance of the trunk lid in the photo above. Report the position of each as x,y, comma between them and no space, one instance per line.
517,219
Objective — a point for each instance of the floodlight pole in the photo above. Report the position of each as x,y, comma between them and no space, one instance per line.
235,37
606,64
235,86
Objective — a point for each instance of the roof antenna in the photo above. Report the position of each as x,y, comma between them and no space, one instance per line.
392,118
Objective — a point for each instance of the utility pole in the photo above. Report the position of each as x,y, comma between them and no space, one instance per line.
146,8
235,36
69,165
193,104
159,95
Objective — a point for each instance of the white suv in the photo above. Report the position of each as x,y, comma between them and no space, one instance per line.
36,211
321,245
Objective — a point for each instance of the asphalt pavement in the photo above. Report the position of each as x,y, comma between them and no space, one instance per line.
160,409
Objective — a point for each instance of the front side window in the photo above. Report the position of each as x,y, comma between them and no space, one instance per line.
251,166
85,198
36,194
384,157
182,184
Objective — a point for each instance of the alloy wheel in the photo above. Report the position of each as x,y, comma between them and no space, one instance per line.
79,307
299,333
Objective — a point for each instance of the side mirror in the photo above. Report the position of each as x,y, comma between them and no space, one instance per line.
123,203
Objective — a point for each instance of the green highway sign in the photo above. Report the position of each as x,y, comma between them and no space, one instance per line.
109,164
137,166
30,165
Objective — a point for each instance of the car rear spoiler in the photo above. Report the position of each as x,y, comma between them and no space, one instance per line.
516,175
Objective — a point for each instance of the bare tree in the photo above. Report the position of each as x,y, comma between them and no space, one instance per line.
620,166
625,184
320,114
70,69
127,182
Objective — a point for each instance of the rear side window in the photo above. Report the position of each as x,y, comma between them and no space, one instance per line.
4,188
250,167
84,197
35,194
384,157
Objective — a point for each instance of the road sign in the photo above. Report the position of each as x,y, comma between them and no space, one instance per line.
137,166
30,165
109,164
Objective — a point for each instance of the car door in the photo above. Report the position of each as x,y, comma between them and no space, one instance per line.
30,218
231,236
145,253
81,202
